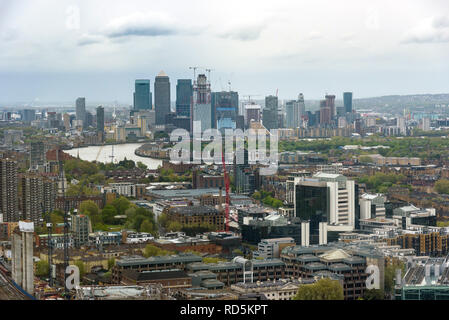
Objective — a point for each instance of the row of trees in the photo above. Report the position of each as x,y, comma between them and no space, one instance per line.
428,147
382,181
267,199
442,186
136,218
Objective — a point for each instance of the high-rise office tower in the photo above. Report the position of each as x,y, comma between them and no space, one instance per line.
201,105
291,108
89,119
347,101
100,119
8,190
325,113
326,198
81,110
301,108
66,120
100,123
161,97
245,178
142,95
330,102
270,113
401,124
184,93
28,115
225,108
295,111
37,154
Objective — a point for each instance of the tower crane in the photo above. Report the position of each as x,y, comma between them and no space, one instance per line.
208,72
194,71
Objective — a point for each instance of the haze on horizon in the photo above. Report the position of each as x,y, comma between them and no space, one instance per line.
59,50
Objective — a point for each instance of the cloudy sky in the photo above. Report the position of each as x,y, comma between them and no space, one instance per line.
59,50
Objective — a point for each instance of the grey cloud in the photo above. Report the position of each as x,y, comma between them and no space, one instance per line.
87,39
9,35
149,31
247,33
441,22
435,32
141,24
436,37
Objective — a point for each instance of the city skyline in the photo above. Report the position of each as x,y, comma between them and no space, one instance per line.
99,51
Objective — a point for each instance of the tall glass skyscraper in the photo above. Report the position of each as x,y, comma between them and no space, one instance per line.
28,115
184,93
81,110
270,113
161,97
142,95
347,101
225,108
295,110
100,119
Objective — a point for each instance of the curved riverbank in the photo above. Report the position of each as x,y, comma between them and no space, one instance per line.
151,150
117,152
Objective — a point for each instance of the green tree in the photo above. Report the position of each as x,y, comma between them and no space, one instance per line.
108,213
174,226
151,251
163,221
90,208
141,165
146,226
390,273
121,205
373,294
323,289
442,186
365,159
111,263
81,267
42,268
212,260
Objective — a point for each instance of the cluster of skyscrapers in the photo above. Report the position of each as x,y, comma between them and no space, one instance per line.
194,102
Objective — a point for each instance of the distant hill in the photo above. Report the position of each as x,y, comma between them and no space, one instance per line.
395,102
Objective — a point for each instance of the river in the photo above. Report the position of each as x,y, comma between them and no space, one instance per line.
103,153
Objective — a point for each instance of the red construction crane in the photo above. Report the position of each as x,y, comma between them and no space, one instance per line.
226,181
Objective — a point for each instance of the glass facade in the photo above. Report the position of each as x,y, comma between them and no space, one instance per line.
184,92
142,95
255,233
270,113
347,101
100,119
161,97
312,204
225,108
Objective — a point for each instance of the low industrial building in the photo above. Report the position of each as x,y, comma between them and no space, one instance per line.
170,279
